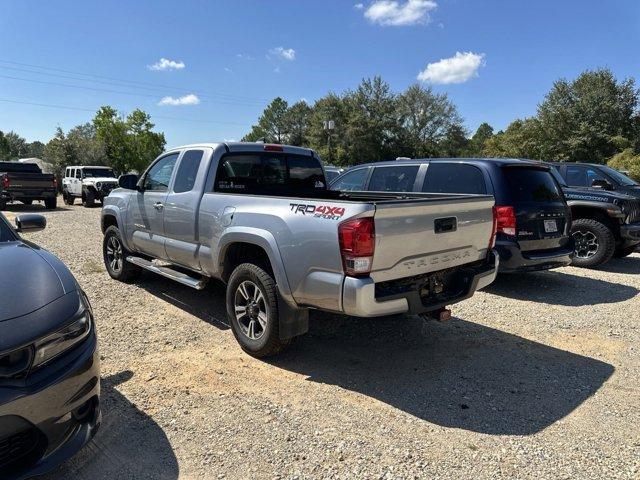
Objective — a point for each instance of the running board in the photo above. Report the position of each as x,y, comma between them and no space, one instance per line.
183,278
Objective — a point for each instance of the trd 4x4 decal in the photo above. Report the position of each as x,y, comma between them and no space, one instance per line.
321,211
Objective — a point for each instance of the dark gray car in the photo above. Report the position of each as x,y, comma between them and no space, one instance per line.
49,363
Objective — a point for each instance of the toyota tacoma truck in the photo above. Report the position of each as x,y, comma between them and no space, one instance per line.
260,218
25,182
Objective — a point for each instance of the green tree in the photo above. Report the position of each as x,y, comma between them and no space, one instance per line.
627,160
144,145
521,139
331,108
424,118
483,133
297,120
111,130
583,120
59,152
272,124
35,149
455,142
18,146
4,147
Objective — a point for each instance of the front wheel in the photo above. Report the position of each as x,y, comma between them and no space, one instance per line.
89,198
252,308
114,255
595,243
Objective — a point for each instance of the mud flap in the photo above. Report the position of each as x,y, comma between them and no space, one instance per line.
293,321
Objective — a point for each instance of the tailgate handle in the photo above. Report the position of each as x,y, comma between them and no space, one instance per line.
444,225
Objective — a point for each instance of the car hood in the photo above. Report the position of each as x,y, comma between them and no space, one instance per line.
30,278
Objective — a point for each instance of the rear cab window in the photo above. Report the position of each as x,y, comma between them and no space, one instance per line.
269,173
400,178
454,178
353,180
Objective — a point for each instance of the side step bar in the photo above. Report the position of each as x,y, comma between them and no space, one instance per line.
183,278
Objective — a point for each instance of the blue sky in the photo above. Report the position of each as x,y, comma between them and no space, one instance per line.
238,55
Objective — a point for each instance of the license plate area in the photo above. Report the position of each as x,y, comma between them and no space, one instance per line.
551,226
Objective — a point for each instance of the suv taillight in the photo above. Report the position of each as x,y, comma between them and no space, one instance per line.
505,218
6,183
357,244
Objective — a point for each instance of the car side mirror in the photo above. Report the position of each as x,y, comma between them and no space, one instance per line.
30,222
601,183
128,181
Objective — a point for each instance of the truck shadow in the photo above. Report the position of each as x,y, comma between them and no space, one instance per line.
560,288
129,444
459,375
629,265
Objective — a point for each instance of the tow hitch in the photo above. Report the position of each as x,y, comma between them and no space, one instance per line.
442,315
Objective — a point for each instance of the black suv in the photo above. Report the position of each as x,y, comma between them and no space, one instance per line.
606,223
532,215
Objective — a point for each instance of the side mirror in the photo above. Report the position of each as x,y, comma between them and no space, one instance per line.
128,181
601,183
30,223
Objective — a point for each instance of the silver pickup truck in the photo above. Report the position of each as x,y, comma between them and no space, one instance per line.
260,218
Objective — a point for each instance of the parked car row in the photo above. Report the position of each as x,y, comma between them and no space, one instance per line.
544,221
406,236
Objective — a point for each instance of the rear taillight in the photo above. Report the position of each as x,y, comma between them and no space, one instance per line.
55,183
505,218
357,244
6,183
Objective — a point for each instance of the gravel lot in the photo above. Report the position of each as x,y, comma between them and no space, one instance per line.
536,377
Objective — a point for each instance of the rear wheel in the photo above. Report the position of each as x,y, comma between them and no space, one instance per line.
114,254
595,243
68,198
252,308
625,251
50,203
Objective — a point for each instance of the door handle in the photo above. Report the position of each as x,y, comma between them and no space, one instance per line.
158,206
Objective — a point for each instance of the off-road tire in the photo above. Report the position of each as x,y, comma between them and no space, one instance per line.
605,239
68,199
127,272
88,198
269,343
51,203
625,251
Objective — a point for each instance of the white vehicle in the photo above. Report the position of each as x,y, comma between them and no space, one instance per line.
89,183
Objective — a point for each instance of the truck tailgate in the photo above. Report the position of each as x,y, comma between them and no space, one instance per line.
30,181
414,237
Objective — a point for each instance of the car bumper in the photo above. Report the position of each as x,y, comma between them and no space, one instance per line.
28,195
53,418
512,259
364,298
630,231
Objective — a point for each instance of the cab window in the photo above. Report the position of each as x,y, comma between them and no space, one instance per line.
188,171
399,178
454,178
159,175
581,176
351,181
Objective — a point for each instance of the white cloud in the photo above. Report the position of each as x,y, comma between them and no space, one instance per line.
398,14
190,99
358,6
457,69
243,56
166,64
282,53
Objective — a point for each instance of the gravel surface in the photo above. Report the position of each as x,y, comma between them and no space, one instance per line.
538,376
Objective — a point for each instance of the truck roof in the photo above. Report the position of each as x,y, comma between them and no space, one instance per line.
245,146
89,166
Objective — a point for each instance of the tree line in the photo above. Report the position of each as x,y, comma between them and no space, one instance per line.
593,118
123,143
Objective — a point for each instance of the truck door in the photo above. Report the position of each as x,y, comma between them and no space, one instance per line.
76,183
146,209
181,208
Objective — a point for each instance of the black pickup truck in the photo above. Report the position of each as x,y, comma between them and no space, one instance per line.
25,182
605,223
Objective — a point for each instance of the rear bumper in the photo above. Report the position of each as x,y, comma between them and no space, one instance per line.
363,298
27,194
630,231
512,259
58,415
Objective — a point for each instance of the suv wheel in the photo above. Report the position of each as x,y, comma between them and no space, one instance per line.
252,308
595,243
68,199
88,198
115,255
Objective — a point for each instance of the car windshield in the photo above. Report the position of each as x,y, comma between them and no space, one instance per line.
6,234
619,177
97,172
